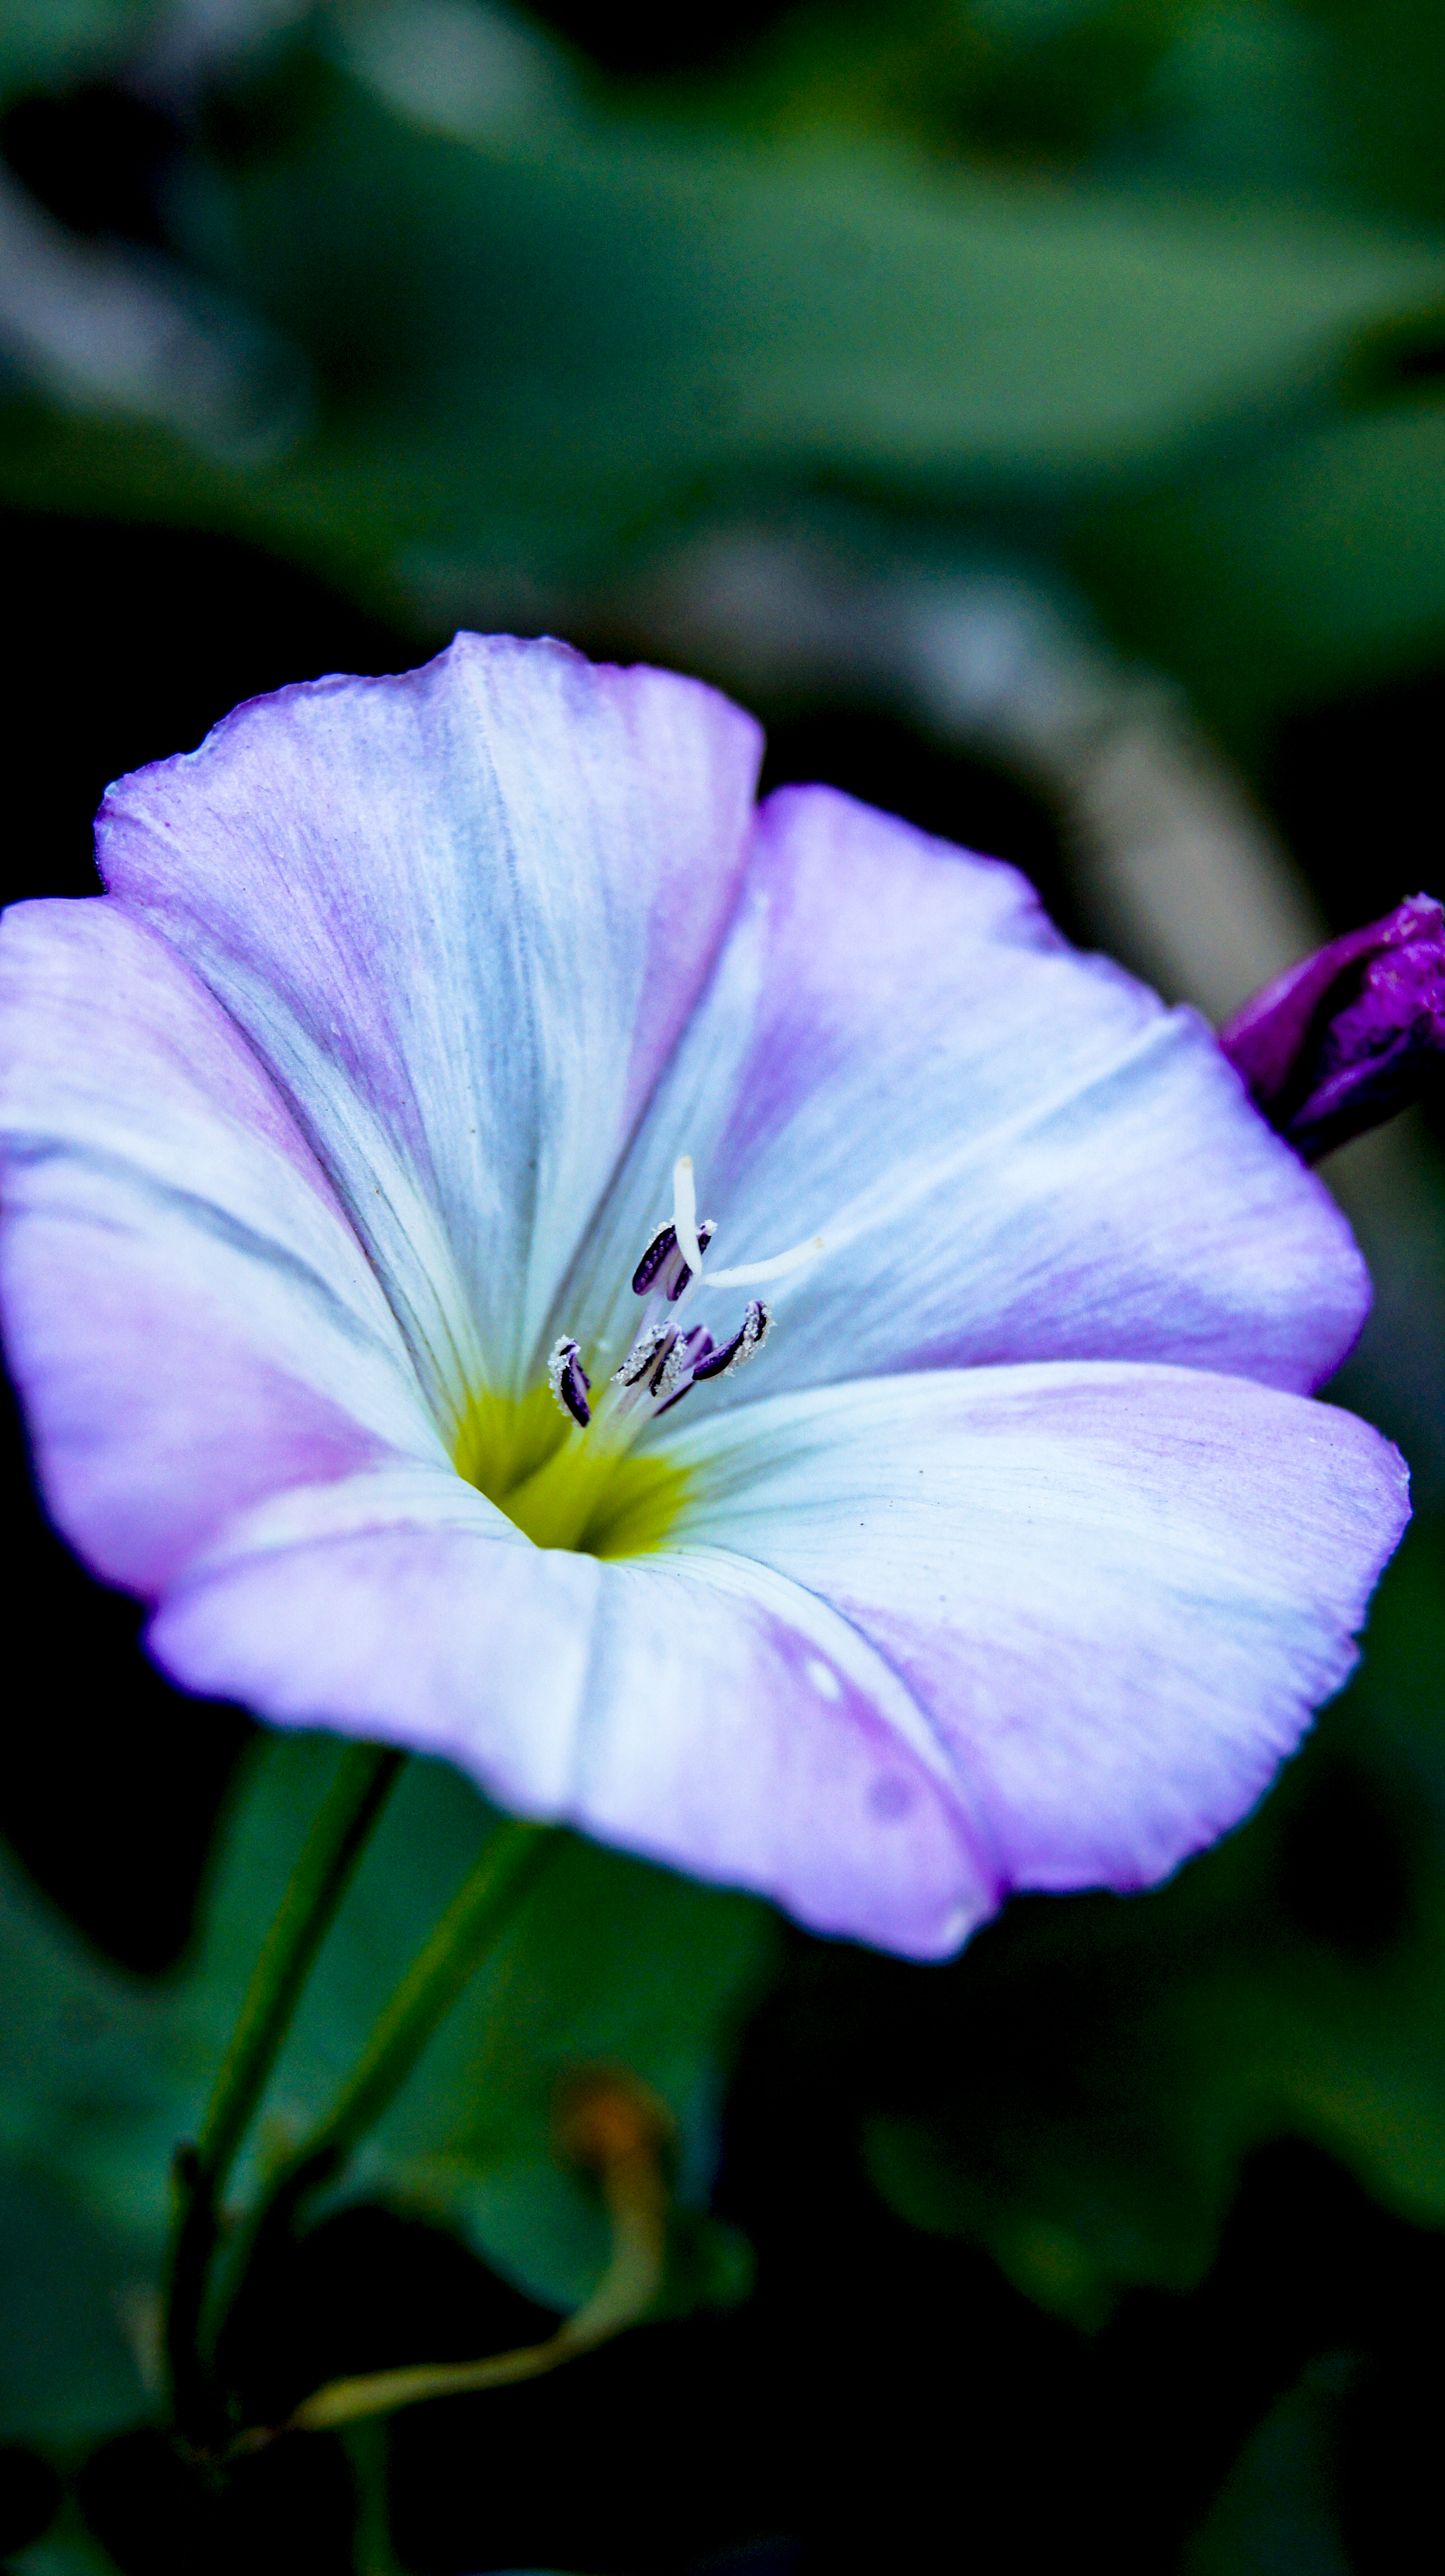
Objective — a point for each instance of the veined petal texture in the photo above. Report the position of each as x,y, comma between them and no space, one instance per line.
1116,1592
1011,1151
915,1643
698,1710
188,1311
462,916
1017,1557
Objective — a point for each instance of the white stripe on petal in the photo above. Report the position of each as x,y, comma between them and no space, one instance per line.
462,915
1011,1151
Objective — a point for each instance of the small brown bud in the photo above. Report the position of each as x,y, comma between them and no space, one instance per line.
604,2117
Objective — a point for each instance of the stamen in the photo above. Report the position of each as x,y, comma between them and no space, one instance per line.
662,1266
660,1243
658,1369
569,1381
680,1366
751,1333
668,1354
642,1354
684,1212
744,1273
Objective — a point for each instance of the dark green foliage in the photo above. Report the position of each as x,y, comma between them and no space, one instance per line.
609,1962
481,359
1081,2091
1124,2232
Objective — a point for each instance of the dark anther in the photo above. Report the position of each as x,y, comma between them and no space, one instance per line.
570,1382
745,1341
642,1354
664,1355
660,1250
660,1245
688,1352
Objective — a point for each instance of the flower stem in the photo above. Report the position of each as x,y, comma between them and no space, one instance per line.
613,2127
497,1883
317,1884
510,1862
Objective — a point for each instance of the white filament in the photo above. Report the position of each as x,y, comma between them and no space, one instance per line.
684,1213
745,1272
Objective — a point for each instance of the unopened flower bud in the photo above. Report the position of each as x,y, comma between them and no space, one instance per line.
1351,1035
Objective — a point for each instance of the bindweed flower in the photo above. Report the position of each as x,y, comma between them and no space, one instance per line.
715,1319
1351,1035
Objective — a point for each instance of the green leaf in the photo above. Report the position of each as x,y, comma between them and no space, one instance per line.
68,2291
1300,572
78,2049
1087,2082
538,350
1276,2514
83,2085
69,2550
46,43
609,1960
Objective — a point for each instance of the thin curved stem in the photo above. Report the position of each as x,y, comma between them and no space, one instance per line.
622,2299
624,2141
338,1836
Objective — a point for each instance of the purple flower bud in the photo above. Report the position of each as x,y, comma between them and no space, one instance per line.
1352,1035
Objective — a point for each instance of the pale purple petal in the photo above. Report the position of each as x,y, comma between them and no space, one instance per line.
305,1124
704,1714
188,1315
1012,1151
1116,1592
462,916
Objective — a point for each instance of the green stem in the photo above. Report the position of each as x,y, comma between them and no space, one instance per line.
511,1860
302,1920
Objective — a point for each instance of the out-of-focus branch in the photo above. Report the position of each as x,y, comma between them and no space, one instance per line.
97,326
1174,866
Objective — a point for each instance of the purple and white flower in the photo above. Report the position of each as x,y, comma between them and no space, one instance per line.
458,1080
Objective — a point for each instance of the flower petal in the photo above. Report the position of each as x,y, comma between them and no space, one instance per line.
190,1318
462,916
1117,1592
1012,1151
708,1715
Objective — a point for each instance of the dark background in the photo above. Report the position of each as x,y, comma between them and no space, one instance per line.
906,2406
887,2397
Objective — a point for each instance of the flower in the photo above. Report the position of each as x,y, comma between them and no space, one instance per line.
356,1286
1351,1035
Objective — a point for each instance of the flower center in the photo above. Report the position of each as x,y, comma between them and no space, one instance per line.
574,1482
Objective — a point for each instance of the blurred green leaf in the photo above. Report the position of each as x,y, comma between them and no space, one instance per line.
1276,2514
1101,2067
64,2552
1320,100
81,2076
610,1960
538,352
68,2291
45,43
1312,568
